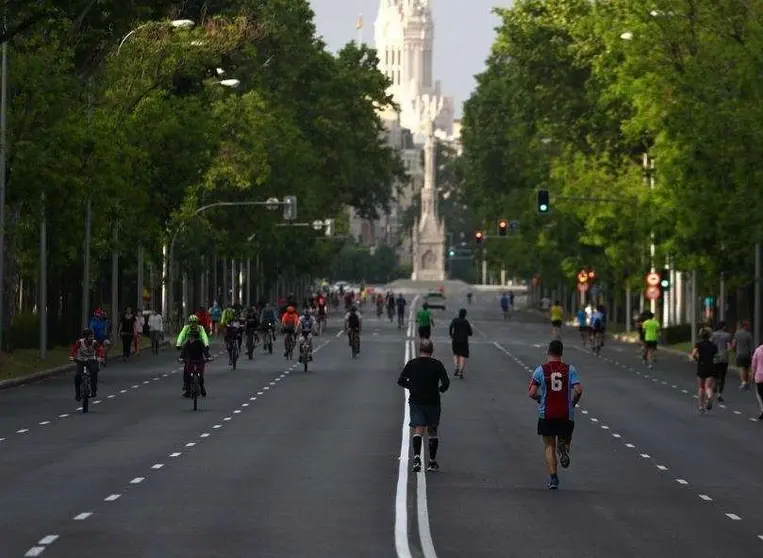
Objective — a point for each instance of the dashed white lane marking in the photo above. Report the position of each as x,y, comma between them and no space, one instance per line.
594,420
157,465
176,454
760,537
706,498
122,391
237,411
272,383
646,456
111,497
682,481
82,516
584,412
252,399
136,386
259,393
737,412
137,480
48,539
190,444
43,423
204,435
35,551
145,381
217,426
245,404
22,431
615,435
64,415
721,405
733,517
604,427
266,388
662,467
96,402
227,418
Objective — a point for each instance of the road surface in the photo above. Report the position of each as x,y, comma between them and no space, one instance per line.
282,463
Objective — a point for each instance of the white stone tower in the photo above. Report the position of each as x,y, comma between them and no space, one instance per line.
404,37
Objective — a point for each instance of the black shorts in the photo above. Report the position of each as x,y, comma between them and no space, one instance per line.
650,344
425,332
460,348
744,361
561,428
424,415
556,323
597,329
705,371
721,369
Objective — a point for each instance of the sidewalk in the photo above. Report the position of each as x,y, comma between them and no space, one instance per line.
63,369
632,340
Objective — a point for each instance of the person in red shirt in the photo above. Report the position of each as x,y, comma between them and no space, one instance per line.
556,387
205,318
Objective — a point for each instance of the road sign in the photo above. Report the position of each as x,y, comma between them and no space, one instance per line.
653,292
583,276
582,287
653,279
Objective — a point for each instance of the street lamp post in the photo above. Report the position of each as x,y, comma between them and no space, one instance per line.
271,204
3,174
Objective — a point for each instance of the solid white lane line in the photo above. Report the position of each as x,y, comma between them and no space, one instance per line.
112,498
706,498
733,517
82,516
137,480
35,551
157,465
48,539
425,532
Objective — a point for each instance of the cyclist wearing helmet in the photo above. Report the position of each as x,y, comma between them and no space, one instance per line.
194,351
86,351
193,326
353,321
289,322
306,324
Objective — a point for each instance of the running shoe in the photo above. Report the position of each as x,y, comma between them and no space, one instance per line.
416,465
720,399
709,404
433,465
553,483
564,456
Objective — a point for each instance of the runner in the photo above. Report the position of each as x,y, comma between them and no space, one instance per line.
425,378
460,330
425,322
557,314
757,370
743,345
704,353
722,339
583,325
651,329
557,389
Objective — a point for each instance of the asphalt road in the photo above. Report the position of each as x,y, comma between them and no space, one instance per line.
282,463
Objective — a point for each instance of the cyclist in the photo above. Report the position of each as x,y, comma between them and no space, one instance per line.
251,325
505,305
582,318
100,326
306,324
556,313
233,334
228,315
391,305
289,322
379,305
192,326
194,351
86,351
322,314
597,329
400,310
268,320
353,322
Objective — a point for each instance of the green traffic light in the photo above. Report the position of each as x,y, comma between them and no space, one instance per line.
452,253
543,207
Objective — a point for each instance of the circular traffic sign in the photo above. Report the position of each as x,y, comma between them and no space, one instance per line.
653,279
653,292
583,276
582,287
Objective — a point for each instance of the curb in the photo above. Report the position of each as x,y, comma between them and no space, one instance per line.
49,373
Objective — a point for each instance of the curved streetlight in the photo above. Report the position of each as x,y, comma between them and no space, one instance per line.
318,225
176,23
627,36
232,83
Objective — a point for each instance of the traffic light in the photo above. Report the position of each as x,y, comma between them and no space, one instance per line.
665,282
544,203
479,237
503,227
451,252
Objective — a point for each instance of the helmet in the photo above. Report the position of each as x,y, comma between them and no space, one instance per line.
87,332
306,313
290,310
353,308
193,319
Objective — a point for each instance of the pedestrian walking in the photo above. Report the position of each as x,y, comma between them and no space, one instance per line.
425,378
721,339
137,331
460,330
556,387
743,345
127,331
156,330
757,371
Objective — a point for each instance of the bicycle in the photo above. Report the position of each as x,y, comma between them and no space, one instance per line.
321,323
250,344
194,381
289,341
233,352
86,384
304,353
268,338
354,336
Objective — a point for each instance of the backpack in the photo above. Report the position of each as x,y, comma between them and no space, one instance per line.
353,321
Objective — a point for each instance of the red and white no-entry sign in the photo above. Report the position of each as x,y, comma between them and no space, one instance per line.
653,293
653,279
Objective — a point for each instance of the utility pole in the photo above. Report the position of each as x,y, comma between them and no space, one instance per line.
693,307
3,174
757,303
43,312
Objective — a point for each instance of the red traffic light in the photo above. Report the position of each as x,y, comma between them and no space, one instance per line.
478,236
503,224
592,275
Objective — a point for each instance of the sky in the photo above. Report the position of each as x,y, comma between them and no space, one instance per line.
464,32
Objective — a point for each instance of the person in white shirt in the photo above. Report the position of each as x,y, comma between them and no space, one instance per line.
156,329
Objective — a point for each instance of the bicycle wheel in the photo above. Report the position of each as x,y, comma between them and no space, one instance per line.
234,360
85,387
195,389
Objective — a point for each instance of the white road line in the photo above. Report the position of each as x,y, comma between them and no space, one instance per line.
111,498
204,435
615,435
145,381
662,467
594,420
760,537
425,532
245,404
706,498
22,431
157,465
682,481
722,406
176,454
227,418
339,333
63,415
737,412
645,455
237,411
259,393
684,391
122,391
43,423
35,551
96,402
48,539
584,412
82,516
272,383
190,444
604,427
733,517
112,396
137,480
266,388
136,386
252,399
217,426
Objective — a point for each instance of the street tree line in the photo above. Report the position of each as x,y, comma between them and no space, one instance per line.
576,93
152,130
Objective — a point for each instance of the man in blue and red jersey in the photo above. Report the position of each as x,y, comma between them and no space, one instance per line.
556,387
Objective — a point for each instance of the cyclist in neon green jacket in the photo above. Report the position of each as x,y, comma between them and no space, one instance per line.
193,326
